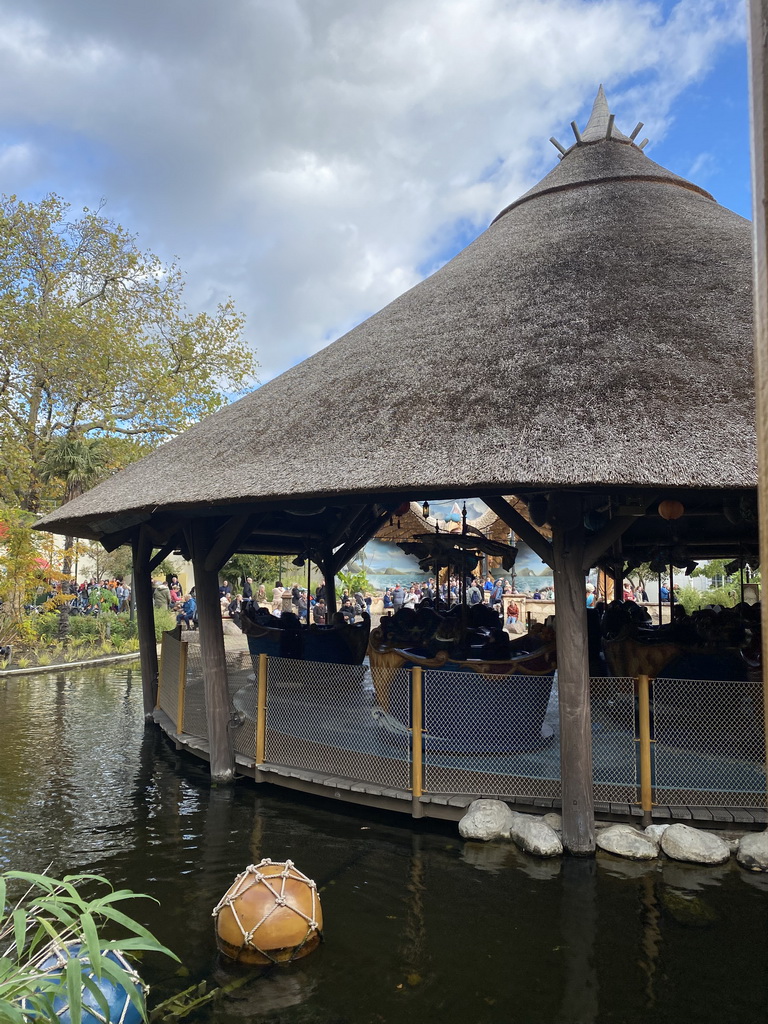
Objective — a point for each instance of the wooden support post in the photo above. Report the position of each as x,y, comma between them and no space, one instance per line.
568,541
758,60
327,569
261,711
213,656
141,595
644,738
417,732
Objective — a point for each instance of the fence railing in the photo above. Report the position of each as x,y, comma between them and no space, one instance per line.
433,731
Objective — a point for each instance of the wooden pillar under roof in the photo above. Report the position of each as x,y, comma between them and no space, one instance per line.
758,55
212,654
141,596
568,548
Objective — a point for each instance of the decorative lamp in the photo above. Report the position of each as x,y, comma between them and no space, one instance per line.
425,510
53,967
270,914
671,509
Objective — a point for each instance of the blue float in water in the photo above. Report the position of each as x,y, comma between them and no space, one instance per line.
121,1009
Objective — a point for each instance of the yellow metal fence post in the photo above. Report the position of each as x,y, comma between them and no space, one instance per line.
417,761
644,731
261,711
183,652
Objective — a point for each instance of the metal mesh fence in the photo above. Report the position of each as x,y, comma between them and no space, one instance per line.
195,722
614,749
490,735
324,717
487,735
708,742
168,678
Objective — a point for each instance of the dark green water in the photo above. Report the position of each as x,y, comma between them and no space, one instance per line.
420,926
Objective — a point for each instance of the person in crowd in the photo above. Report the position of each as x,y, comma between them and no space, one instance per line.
537,595
348,610
512,614
188,611
277,597
319,612
248,589
302,606
359,602
475,593
235,605
224,605
321,593
628,594
664,593
225,590
591,599
261,595
387,600
411,598
496,593
398,597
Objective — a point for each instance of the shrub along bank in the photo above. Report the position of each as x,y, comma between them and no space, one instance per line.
36,640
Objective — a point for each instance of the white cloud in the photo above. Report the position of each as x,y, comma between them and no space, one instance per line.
311,157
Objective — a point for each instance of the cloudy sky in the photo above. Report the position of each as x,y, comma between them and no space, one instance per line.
315,158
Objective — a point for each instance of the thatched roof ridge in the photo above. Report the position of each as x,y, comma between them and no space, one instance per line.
584,339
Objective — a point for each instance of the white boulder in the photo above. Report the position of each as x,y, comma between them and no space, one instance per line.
534,836
626,841
753,851
681,842
486,819
657,831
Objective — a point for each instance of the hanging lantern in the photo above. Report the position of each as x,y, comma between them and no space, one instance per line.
425,510
270,914
671,509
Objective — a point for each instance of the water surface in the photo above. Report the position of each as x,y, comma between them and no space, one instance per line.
420,926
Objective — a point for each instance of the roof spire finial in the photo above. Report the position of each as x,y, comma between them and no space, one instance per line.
600,124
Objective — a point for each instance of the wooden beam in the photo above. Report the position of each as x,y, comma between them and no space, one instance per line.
363,534
568,535
597,546
226,541
758,61
213,656
164,551
145,619
527,531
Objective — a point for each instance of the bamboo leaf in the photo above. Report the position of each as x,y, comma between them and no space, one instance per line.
73,974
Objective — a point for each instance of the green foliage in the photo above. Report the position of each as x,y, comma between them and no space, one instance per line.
49,915
261,569
692,600
96,342
23,568
354,581
165,619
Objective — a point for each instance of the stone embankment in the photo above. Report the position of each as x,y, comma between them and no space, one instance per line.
541,836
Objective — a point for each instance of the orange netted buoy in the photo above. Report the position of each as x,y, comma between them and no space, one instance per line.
270,914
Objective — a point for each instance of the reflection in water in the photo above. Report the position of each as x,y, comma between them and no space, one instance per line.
579,930
419,926
651,917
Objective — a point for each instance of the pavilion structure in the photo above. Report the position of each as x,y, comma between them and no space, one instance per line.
610,306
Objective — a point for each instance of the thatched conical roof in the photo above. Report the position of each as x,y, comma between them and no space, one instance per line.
599,332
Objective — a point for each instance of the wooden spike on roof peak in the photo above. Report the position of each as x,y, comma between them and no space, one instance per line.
600,121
